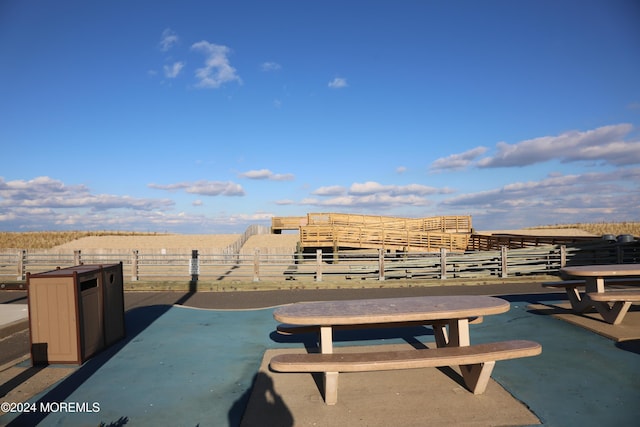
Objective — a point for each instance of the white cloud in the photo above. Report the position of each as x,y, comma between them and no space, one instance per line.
169,39
204,188
368,201
44,203
333,190
172,71
48,193
376,188
338,83
457,161
267,174
558,199
270,66
401,169
605,144
217,70
372,196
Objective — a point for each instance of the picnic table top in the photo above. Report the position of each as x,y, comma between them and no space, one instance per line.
604,270
390,310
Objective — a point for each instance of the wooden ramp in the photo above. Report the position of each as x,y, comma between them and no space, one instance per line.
335,230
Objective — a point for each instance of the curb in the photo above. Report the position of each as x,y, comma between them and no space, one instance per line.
13,327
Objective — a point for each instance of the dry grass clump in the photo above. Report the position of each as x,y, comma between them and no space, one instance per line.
169,242
600,228
50,239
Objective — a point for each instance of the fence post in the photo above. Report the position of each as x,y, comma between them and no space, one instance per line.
22,260
381,264
443,263
194,266
134,266
563,256
256,265
318,265
77,257
504,250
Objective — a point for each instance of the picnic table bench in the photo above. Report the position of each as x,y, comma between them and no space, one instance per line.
448,316
612,305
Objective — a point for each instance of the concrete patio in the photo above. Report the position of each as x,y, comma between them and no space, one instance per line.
201,359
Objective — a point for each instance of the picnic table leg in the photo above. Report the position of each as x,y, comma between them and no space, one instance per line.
456,336
579,303
330,379
459,333
475,376
613,313
326,339
440,333
594,284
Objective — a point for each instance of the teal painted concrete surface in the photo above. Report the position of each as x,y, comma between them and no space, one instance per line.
188,367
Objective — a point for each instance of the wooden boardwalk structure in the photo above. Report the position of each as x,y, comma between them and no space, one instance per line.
355,231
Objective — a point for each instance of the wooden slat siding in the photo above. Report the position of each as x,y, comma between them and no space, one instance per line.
373,238
486,242
287,223
459,224
9,261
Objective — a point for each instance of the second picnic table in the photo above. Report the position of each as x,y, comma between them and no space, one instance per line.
613,304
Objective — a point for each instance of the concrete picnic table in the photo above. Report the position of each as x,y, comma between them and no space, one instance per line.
613,304
442,311
448,315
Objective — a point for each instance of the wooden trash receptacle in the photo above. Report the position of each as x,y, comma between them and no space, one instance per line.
67,312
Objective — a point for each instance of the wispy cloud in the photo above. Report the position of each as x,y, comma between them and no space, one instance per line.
204,188
370,187
457,161
605,144
217,70
338,83
168,40
47,203
270,66
172,71
267,174
333,190
48,193
373,195
558,199
373,202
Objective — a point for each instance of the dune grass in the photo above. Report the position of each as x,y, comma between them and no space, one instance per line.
599,228
50,239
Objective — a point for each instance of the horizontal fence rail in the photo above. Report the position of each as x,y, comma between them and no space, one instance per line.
264,264
448,224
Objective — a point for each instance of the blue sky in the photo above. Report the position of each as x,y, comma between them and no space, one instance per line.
206,116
